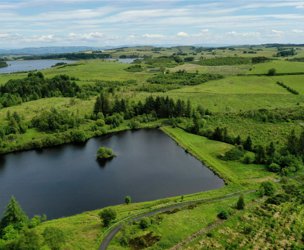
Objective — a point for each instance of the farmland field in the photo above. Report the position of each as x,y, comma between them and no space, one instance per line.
235,118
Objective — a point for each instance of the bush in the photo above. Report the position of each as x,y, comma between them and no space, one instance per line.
30,240
274,167
54,238
223,215
277,199
78,136
233,154
144,223
248,159
114,120
267,188
134,124
272,72
107,216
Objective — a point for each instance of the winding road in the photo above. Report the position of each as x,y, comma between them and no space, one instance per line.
108,238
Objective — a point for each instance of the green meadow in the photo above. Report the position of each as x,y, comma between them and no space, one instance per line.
245,101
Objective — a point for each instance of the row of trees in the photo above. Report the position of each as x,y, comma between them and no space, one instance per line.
161,107
36,86
291,90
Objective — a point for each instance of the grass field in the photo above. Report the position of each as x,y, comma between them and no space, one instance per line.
281,66
226,98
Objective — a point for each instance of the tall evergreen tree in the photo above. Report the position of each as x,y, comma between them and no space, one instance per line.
292,143
260,155
271,150
301,144
188,109
13,215
248,144
240,205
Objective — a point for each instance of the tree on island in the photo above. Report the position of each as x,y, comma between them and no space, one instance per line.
104,153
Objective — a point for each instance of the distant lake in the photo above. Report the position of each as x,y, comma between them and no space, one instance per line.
28,65
66,180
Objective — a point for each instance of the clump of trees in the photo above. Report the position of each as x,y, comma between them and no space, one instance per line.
104,153
36,86
182,77
55,121
17,230
3,64
283,52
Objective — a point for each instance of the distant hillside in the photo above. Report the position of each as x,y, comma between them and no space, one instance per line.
45,50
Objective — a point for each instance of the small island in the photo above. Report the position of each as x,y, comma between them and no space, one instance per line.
104,153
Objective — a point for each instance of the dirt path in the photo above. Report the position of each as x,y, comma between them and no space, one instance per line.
108,238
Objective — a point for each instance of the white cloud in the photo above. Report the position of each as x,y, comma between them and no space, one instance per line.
182,34
153,36
297,31
86,36
277,32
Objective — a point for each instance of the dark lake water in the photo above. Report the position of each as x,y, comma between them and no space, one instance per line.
28,65
66,180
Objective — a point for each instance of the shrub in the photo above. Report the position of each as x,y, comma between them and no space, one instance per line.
267,188
277,199
274,167
107,216
233,154
29,239
223,215
240,205
144,223
114,120
54,238
272,72
78,136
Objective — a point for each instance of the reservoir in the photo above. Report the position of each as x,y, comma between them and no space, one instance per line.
66,180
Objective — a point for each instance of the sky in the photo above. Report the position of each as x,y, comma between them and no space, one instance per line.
40,23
